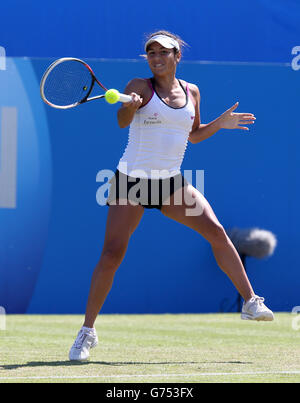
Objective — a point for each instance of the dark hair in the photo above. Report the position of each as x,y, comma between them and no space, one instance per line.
181,42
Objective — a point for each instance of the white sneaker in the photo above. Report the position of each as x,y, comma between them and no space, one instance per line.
85,340
255,309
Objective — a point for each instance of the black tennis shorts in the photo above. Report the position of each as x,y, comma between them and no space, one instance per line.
149,193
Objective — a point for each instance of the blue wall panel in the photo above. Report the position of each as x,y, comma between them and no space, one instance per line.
51,242
216,30
24,224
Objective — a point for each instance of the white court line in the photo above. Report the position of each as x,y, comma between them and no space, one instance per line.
155,375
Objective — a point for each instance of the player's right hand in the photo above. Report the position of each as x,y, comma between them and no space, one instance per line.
136,102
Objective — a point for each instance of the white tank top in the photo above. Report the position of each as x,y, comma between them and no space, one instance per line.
158,137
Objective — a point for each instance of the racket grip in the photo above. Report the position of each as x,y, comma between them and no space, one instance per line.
125,98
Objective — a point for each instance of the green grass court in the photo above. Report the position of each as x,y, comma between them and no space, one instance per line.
152,348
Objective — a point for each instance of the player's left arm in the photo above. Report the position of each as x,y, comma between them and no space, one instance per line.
228,120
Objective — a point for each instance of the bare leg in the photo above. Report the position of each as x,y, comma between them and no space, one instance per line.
196,213
121,223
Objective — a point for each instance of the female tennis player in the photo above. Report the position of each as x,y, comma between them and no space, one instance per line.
163,116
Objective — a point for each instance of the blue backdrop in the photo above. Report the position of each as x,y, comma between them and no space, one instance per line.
232,30
52,229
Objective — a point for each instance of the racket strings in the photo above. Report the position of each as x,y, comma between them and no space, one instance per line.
68,83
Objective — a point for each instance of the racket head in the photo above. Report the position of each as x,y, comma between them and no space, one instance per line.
67,83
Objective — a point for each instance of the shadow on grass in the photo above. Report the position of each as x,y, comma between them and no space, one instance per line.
78,363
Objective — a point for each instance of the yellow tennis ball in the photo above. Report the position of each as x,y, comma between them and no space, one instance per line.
112,96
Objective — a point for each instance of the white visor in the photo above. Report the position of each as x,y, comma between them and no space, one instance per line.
163,40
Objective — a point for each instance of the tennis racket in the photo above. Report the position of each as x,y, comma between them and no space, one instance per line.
68,82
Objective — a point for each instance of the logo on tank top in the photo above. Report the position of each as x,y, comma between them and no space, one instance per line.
152,120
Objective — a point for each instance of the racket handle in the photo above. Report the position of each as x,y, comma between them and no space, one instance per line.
125,98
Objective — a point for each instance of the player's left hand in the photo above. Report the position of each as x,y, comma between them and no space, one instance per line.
231,120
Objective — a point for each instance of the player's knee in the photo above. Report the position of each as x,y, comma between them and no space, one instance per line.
218,237
112,255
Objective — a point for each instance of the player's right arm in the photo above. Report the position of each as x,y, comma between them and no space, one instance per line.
139,90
